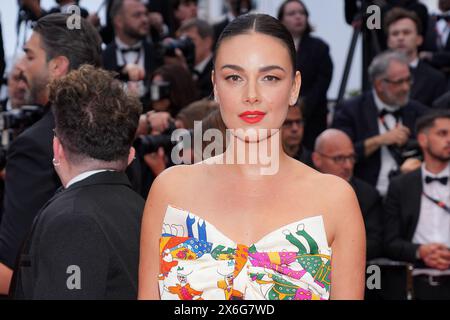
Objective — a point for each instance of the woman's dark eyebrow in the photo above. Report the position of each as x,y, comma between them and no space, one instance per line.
263,69
233,67
270,68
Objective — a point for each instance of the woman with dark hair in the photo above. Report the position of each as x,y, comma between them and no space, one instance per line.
314,62
172,89
231,228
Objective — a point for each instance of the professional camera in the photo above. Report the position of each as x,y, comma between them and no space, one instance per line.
151,143
21,118
186,46
159,91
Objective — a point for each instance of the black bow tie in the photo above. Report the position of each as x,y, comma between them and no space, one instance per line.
396,114
442,180
443,17
127,50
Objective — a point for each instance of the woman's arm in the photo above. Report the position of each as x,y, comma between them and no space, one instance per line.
348,262
152,222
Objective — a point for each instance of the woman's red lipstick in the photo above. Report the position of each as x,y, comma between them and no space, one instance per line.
252,116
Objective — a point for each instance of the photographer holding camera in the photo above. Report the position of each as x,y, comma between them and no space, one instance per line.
51,52
172,89
202,35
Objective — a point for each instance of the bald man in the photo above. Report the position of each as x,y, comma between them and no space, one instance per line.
334,154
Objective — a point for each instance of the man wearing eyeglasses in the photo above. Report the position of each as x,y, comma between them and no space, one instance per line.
292,134
403,29
381,122
334,154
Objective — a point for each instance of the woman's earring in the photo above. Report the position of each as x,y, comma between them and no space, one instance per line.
56,163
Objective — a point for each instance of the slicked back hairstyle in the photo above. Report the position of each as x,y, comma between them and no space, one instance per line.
259,23
79,46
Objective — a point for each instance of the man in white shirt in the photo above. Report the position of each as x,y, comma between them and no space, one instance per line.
130,53
417,223
381,122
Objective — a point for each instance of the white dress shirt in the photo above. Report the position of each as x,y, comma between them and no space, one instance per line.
388,162
443,30
434,222
130,57
137,58
83,176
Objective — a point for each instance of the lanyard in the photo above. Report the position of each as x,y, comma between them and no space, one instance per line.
385,124
394,152
440,204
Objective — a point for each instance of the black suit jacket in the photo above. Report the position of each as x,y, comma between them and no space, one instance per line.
429,84
29,183
204,82
372,209
402,210
152,61
110,58
358,117
441,56
316,67
93,225
443,102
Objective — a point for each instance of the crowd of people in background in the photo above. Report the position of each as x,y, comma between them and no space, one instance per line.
391,142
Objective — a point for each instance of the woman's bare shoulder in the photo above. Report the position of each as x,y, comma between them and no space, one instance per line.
333,192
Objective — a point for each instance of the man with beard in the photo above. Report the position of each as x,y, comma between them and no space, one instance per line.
51,52
381,122
417,222
130,53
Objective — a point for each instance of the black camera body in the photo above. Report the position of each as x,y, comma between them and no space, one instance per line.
21,118
185,44
159,91
151,143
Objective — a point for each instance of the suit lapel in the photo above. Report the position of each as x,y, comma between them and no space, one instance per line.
415,195
371,116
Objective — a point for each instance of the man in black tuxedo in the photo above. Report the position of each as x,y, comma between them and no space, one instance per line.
381,122
403,29
417,206
50,53
436,49
202,35
334,154
130,53
84,243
